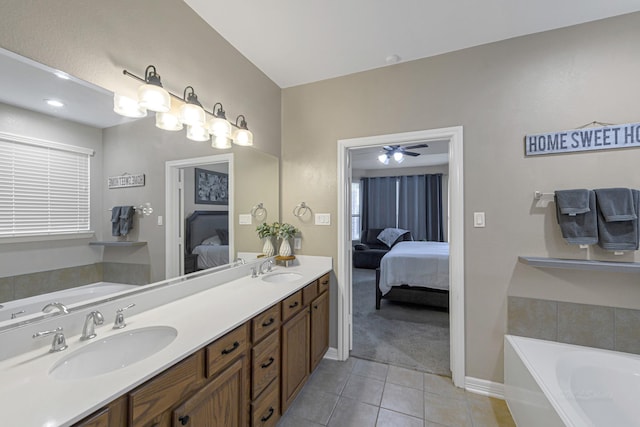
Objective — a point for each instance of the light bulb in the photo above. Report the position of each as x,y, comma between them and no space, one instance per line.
154,98
220,127
220,142
192,115
197,133
384,159
243,137
128,107
398,157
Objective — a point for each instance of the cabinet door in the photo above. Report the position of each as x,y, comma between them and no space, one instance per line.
113,415
319,329
101,419
295,356
224,402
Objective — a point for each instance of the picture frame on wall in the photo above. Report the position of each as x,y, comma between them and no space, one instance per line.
212,188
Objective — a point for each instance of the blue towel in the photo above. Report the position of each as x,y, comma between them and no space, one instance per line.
578,228
115,221
615,234
126,219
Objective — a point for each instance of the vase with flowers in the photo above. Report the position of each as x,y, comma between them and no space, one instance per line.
286,232
265,232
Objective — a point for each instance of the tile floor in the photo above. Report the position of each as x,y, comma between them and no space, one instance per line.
361,393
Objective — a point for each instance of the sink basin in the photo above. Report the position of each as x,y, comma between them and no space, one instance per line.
114,352
281,277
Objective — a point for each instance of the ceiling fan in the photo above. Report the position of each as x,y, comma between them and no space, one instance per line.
398,152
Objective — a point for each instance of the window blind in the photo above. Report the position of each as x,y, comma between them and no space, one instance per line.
44,189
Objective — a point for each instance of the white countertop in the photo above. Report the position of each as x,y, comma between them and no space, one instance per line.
29,396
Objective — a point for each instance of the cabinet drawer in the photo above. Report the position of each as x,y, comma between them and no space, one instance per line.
265,412
265,323
323,283
309,293
163,391
265,363
291,305
224,350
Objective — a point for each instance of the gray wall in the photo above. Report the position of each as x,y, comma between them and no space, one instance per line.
499,92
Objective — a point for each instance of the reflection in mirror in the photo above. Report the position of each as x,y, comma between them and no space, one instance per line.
97,264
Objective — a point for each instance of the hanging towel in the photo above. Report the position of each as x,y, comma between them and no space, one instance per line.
115,221
572,202
618,235
126,219
616,204
578,228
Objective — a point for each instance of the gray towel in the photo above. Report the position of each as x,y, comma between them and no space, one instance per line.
618,235
582,228
616,204
126,219
573,202
115,221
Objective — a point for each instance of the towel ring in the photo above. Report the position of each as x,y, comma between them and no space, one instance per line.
258,211
300,210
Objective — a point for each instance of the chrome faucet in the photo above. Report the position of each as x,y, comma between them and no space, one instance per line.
268,263
88,331
238,261
254,273
17,313
59,343
120,323
55,305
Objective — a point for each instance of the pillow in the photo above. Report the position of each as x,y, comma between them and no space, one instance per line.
360,247
389,236
212,241
224,236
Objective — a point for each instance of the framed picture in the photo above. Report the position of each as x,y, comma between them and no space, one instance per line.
212,188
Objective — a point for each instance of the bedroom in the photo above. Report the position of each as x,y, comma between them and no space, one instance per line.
400,192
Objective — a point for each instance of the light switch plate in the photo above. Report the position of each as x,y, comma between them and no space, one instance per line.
244,219
323,219
478,219
297,243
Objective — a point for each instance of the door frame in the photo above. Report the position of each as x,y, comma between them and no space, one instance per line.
174,261
454,135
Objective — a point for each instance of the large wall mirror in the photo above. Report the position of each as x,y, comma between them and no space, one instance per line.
32,268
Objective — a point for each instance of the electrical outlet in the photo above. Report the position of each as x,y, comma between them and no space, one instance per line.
323,219
297,243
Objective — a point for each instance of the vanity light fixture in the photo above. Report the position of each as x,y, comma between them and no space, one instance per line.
128,107
191,112
242,135
151,95
173,114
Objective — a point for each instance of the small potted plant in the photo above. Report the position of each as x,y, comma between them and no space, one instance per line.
286,232
265,232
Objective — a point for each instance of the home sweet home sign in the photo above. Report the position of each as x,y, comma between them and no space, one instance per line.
586,139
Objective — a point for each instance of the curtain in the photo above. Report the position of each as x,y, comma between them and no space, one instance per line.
378,202
420,206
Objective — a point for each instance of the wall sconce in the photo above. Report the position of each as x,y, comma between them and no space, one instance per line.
242,135
173,114
151,95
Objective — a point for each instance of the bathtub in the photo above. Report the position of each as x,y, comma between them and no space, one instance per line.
69,296
553,384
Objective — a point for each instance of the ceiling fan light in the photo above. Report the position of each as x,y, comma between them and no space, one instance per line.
398,157
197,133
384,159
128,107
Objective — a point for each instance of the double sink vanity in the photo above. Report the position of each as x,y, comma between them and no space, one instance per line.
234,352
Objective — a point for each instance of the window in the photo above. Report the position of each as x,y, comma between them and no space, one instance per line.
44,187
355,211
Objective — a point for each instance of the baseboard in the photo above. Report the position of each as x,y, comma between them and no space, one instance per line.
484,387
332,353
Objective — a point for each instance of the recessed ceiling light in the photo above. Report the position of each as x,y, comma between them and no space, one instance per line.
54,103
392,59
61,75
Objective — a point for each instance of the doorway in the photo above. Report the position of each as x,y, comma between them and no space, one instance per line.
454,136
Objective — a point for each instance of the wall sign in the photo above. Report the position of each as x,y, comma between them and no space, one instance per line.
587,139
124,181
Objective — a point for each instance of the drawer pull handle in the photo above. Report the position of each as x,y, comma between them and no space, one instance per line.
268,322
266,418
294,305
325,282
269,363
184,420
315,306
233,348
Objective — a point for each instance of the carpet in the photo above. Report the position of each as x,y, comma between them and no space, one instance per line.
406,335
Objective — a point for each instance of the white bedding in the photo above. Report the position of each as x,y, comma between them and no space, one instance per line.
211,255
423,264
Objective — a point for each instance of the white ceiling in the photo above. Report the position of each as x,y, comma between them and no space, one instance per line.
296,41
437,154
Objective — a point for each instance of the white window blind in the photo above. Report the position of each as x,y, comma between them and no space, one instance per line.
44,188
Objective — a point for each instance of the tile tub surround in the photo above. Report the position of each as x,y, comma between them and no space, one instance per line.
361,393
220,300
610,328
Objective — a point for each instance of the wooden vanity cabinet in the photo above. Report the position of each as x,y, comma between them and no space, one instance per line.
112,415
319,339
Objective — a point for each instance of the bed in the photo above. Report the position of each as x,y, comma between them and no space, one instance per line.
416,272
207,238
